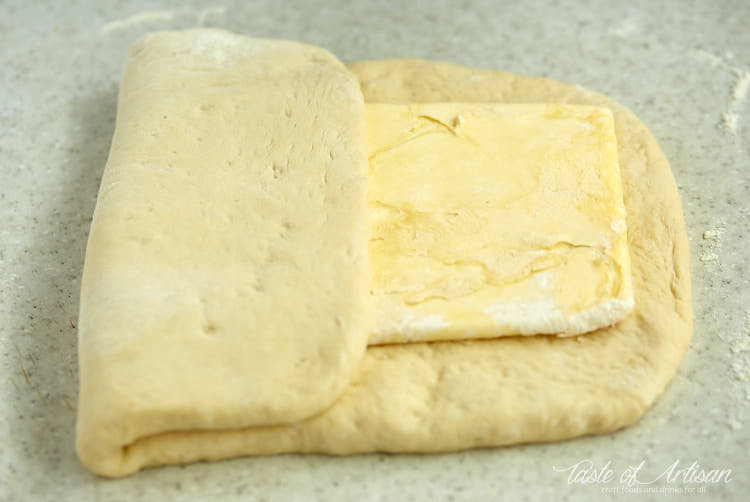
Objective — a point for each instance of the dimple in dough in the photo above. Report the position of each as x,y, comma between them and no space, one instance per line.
444,396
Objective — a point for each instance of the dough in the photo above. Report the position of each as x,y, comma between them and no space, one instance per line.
495,219
455,395
226,275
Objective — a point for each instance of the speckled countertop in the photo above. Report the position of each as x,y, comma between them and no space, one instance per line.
682,66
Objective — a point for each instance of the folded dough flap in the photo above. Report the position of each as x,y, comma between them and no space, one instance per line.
226,275
495,219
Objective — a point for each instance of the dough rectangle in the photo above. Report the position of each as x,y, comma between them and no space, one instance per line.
226,273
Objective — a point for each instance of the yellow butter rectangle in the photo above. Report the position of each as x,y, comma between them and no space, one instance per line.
495,219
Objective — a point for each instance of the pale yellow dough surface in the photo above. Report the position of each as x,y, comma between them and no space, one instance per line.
495,219
410,397
226,273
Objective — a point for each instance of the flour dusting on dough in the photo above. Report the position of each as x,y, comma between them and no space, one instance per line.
534,317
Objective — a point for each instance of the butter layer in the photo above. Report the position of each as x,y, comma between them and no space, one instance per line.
495,219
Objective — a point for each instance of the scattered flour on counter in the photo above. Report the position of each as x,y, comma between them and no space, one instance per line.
734,424
712,244
740,350
201,17
148,16
708,57
731,117
204,14
741,86
740,367
743,343
711,234
628,27
741,371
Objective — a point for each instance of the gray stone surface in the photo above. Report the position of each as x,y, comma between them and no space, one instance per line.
682,66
